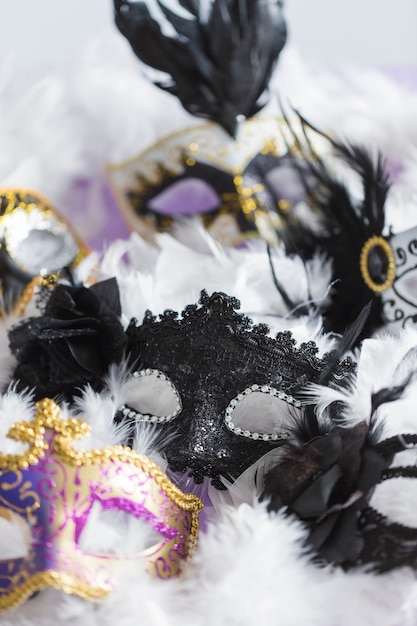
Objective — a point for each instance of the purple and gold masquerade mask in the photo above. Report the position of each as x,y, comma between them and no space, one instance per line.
50,490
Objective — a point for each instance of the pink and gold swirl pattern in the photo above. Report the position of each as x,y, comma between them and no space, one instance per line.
50,489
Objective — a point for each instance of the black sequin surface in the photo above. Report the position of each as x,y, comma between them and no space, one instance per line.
212,353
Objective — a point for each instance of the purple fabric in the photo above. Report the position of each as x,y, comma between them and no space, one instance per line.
91,209
113,226
405,76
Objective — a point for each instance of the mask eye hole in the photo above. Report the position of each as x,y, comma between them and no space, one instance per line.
15,536
285,182
201,198
406,286
151,397
113,532
262,412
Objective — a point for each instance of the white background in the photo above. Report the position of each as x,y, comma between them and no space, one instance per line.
47,35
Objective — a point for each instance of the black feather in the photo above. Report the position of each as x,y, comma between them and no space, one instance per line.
345,226
346,343
219,65
296,309
389,394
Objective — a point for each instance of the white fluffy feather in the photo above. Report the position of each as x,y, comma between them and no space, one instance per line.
14,407
173,275
250,567
384,362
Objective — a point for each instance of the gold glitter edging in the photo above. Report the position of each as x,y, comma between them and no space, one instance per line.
51,578
48,416
67,430
369,245
18,197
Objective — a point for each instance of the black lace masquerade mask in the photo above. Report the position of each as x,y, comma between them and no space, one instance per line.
220,390
228,390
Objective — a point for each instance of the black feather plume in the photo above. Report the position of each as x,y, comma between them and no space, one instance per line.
218,54
345,226
389,394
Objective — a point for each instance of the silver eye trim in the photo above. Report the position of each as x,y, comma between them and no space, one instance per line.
230,419
133,409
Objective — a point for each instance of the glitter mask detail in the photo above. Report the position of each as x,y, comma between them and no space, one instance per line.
398,292
399,301
213,355
36,242
234,184
52,487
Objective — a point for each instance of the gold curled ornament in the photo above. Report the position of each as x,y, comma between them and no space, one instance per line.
377,242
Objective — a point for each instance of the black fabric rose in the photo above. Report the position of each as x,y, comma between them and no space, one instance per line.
327,482
72,344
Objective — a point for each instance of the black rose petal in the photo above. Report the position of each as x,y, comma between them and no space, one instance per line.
314,501
72,344
373,464
337,539
327,482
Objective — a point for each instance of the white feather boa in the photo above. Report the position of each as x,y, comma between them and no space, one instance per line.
250,567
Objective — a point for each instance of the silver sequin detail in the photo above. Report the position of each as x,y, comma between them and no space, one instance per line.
281,395
154,419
